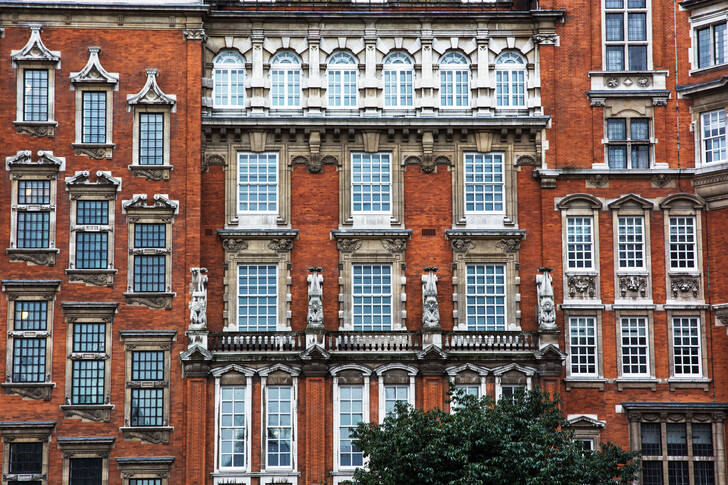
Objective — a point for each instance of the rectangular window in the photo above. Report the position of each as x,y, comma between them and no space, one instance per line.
625,34
635,347
149,269
258,183
651,440
454,89
714,136
486,297
631,243
151,138
484,182
351,413
583,346
257,298
579,242
147,404
342,88
509,392
372,295
232,427
88,366
279,427
686,346
85,471
35,95
93,117
34,215
392,395
30,315
712,42
29,359
628,143
145,481
371,183
682,243
26,458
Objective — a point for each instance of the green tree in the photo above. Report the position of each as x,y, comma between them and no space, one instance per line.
526,441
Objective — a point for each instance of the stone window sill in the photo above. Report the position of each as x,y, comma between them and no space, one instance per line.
22,477
88,412
151,300
97,151
36,128
92,277
38,256
151,172
32,390
148,434
637,383
695,383
584,383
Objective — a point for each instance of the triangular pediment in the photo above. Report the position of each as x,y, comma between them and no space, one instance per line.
315,352
196,353
34,50
151,93
631,201
432,352
161,202
94,72
550,352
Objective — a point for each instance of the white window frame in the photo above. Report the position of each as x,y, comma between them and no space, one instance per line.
395,66
645,321
569,260
279,473
366,374
626,243
453,372
334,67
353,183
506,63
239,184
595,347
673,363
454,63
287,64
625,43
237,300
704,139
381,371
225,64
694,260
247,376
373,295
476,158
628,142
696,42
500,374
486,296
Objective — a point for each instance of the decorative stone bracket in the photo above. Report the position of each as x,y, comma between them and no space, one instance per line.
684,285
630,284
581,285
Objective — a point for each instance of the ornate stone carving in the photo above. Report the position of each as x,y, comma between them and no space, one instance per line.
685,284
722,314
93,72
150,173
430,307
198,300
194,34
154,436
461,245
280,245
139,201
35,256
527,161
633,284
612,82
211,160
661,180
315,163
643,81
545,39
34,50
394,245
348,245
41,392
597,102
598,180
315,317
235,245
95,152
154,300
509,245
38,129
546,305
151,93
91,278
659,101
584,285
98,414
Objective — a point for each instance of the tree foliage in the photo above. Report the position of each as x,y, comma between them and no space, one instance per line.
526,441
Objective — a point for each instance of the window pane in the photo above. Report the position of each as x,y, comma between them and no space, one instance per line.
145,481
635,351
394,394
92,250
85,471
87,382
146,407
92,212
30,315
677,444
686,345
615,26
630,247
486,297
638,58
704,47
614,4
257,298
637,4
640,156
702,439
258,182
639,128
279,426
678,473
35,95
89,337
93,119
26,458
583,345
29,355
372,297
651,439
719,40
682,242
149,273
147,365
704,473
484,182
652,473
714,136
616,129
33,229
637,26
350,415
34,192
232,432
579,242
150,235
151,138
371,182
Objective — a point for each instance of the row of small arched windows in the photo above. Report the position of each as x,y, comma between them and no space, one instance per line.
342,72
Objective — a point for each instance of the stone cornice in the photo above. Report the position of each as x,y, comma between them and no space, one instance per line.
381,122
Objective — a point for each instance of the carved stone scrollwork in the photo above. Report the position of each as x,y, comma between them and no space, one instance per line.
198,299
427,162
685,284
315,317
154,436
526,161
722,315
394,245
546,305
235,245
348,245
38,392
430,306
661,180
154,174
95,153
633,284
211,160
509,245
461,245
41,258
157,301
315,163
545,39
280,245
95,279
36,130
195,34
584,285
96,414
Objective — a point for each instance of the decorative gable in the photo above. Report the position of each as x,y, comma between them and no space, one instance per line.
151,93
94,72
35,51
161,203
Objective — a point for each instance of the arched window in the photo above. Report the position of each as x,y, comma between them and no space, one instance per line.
229,80
342,70
510,71
454,81
398,81
285,72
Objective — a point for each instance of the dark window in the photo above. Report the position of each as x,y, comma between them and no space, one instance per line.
145,481
151,138
651,442
26,458
702,439
629,143
149,273
678,472
35,95
33,229
652,473
677,442
92,213
147,366
704,472
30,315
94,117
150,235
29,355
85,471
87,382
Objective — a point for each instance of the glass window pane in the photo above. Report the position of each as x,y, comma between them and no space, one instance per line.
704,47
638,58
615,26
583,346
372,297
85,471
151,139
637,26
617,129
719,40
617,156
93,117
677,439
26,458
702,439
639,128
651,439
35,95
257,298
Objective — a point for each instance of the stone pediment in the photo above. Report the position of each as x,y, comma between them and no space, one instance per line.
528,371
34,50
23,160
583,421
548,352
161,202
94,72
220,371
196,353
631,200
103,178
315,352
432,352
453,371
151,93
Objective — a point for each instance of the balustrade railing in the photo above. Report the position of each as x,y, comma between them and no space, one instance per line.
373,341
257,341
489,341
